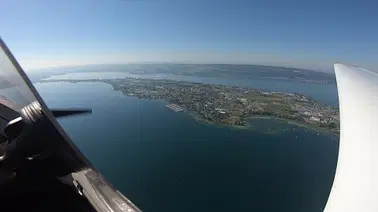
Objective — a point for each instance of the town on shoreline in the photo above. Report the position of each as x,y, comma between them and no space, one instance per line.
228,105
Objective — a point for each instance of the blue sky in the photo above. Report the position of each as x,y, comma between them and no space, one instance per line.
309,34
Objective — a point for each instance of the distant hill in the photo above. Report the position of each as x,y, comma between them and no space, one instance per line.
200,70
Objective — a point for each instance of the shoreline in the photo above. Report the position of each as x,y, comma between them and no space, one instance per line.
248,125
300,124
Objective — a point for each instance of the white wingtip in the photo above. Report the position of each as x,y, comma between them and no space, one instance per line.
355,186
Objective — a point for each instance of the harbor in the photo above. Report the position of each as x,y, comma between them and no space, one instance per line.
175,107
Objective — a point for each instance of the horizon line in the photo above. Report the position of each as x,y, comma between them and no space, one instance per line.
175,63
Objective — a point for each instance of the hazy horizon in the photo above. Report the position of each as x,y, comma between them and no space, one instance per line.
166,63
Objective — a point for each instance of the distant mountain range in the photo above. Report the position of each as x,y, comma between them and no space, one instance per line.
199,70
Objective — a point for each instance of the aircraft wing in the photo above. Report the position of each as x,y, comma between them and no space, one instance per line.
355,186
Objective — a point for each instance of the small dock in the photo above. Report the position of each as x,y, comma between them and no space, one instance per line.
175,107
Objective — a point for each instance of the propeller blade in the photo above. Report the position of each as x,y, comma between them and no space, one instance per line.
69,112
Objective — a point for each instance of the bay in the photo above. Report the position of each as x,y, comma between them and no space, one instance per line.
167,161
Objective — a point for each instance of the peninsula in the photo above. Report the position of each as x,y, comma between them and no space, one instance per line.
228,105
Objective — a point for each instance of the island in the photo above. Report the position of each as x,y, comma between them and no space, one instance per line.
229,105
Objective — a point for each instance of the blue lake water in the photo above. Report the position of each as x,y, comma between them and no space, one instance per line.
167,161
